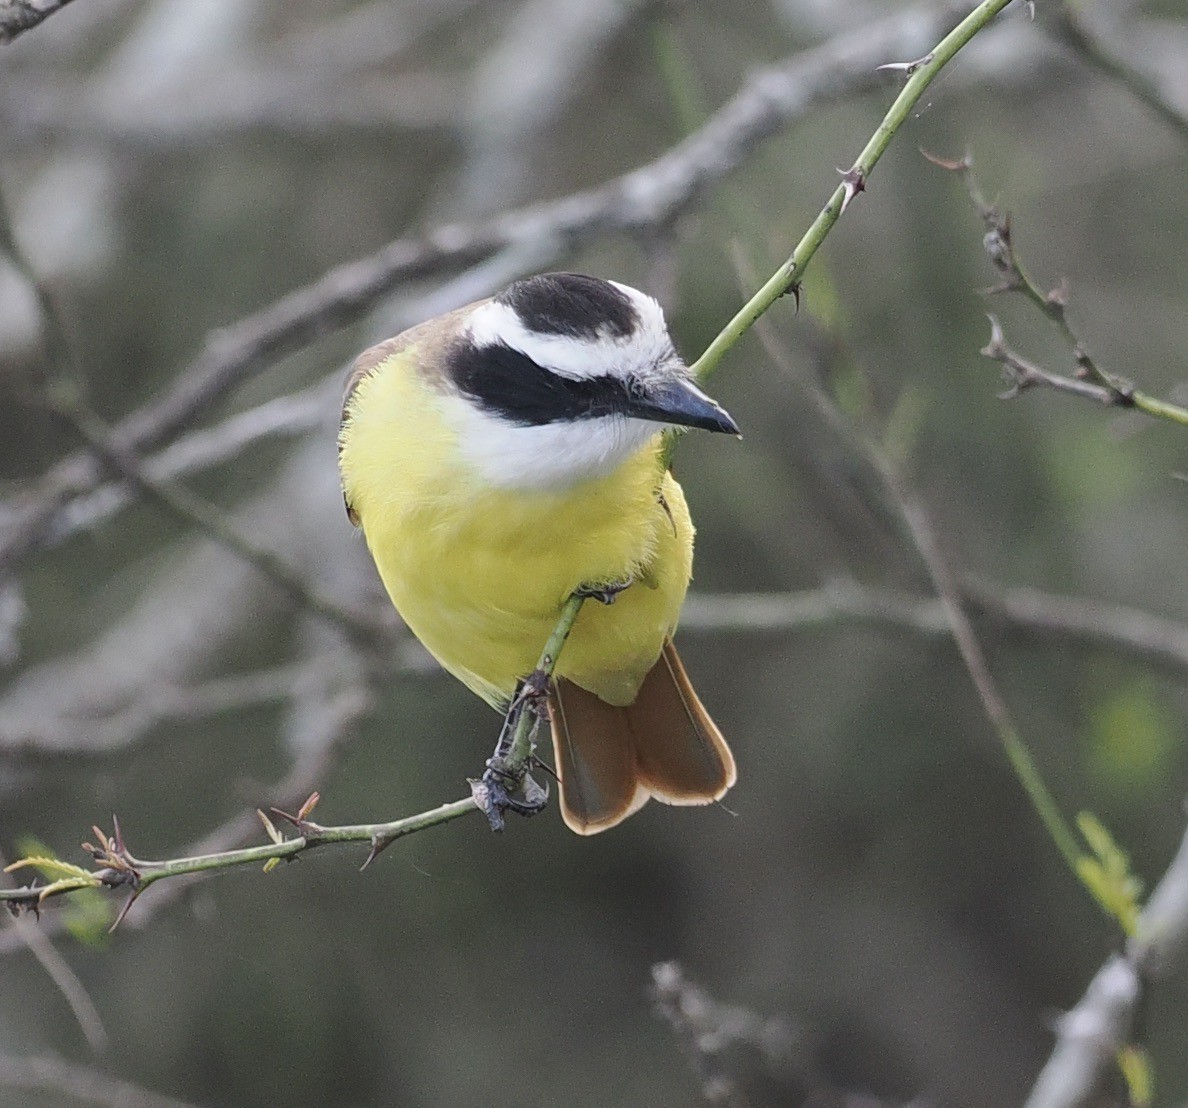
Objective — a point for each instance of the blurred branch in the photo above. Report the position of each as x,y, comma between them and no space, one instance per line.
63,395
325,78
1091,381
65,979
82,1084
293,415
739,1056
1065,620
1128,631
1090,1036
877,459
1070,27
638,201
212,523
708,1029
19,16
976,663
57,737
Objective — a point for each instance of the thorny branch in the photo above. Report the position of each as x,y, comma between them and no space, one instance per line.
336,722
118,868
1090,380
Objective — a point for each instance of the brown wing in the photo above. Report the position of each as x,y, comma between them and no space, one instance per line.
611,760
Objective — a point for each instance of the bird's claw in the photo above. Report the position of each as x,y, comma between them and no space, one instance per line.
604,594
499,791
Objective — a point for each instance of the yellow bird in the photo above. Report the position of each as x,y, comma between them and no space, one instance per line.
507,454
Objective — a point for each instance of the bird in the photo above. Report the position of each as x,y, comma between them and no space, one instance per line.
505,455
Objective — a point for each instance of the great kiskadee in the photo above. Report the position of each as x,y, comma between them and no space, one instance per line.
507,454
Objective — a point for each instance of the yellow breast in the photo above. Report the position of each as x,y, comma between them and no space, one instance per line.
479,573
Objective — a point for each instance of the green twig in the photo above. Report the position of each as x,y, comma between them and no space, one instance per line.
520,750
921,73
119,869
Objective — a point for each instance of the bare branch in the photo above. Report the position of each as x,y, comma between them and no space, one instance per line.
1023,375
1090,380
1064,619
1089,1037
61,737
19,16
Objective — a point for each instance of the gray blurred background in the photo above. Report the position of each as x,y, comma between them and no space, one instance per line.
876,891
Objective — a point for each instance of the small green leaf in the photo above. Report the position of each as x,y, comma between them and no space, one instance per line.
55,868
270,827
1107,873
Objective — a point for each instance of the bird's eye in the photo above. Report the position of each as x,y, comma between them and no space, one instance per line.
635,387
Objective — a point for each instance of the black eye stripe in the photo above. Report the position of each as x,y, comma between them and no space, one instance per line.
510,384
571,304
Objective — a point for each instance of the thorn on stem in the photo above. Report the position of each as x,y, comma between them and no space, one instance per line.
1060,295
303,825
124,910
378,845
853,182
906,68
996,347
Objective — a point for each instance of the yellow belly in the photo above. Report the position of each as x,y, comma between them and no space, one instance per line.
480,574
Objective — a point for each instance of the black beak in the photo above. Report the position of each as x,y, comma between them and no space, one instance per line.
682,403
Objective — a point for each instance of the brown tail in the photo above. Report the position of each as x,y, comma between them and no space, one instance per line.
611,760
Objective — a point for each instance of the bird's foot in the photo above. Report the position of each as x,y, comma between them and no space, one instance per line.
604,594
506,785
501,790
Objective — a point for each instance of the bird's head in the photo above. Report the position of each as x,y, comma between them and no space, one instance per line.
562,377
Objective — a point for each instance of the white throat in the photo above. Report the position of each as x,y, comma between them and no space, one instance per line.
549,457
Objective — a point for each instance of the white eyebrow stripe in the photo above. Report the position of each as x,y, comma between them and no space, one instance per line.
492,324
